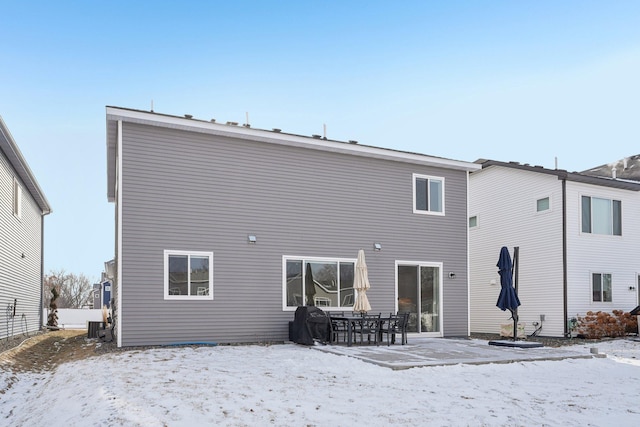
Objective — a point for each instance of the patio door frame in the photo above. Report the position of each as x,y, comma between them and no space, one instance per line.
418,265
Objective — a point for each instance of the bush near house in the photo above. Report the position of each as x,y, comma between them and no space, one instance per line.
601,324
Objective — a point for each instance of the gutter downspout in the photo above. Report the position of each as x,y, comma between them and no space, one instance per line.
564,256
40,307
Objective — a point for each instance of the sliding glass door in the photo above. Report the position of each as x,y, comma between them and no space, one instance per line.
420,293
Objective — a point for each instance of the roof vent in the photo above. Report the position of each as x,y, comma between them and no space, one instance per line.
232,123
352,141
276,130
316,136
613,173
213,120
188,116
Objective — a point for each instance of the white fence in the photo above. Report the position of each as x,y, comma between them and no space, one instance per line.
75,318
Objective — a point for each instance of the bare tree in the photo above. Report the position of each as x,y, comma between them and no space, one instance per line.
75,290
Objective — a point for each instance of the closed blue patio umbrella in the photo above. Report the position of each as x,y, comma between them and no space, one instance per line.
508,298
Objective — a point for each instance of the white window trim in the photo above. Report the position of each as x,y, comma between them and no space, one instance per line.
16,205
535,205
591,273
166,276
611,199
413,194
286,258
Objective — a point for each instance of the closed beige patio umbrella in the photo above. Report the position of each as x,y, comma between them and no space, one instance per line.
361,284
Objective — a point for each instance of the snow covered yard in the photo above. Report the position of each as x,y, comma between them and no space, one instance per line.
291,385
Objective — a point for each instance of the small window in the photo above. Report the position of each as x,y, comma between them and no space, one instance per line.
473,221
428,194
542,204
17,199
601,287
188,275
601,216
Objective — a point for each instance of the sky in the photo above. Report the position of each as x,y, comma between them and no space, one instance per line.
541,82
292,385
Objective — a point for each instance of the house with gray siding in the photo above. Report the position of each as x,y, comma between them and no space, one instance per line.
23,206
217,223
577,237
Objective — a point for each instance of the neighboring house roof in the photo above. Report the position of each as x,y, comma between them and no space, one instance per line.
275,136
10,149
624,184
627,168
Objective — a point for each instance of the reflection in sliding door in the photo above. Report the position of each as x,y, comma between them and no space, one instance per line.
419,294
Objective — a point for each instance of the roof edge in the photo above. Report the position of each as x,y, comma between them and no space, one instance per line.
279,137
18,162
563,174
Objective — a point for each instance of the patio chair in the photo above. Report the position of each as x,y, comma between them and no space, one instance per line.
396,324
369,325
339,327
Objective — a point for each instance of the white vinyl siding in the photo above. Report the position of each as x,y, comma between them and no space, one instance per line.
509,218
20,254
591,252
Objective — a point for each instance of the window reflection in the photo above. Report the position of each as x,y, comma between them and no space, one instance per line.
330,283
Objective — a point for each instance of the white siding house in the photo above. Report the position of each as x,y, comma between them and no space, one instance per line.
576,234
22,210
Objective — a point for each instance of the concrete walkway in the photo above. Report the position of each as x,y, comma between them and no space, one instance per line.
447,351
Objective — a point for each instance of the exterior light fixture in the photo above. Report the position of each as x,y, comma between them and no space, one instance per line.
452,275
252,238
377,247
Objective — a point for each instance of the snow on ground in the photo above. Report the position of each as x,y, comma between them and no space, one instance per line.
292,385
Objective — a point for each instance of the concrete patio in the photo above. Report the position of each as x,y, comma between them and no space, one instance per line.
422,351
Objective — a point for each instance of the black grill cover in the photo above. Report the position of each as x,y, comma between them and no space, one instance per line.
309,324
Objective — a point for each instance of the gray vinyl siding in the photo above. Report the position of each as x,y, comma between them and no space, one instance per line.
192,191
20,278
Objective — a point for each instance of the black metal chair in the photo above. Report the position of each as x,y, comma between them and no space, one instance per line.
395,324
369,325
339,327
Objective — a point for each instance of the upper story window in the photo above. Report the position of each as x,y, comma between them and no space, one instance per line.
188,275
17,199
325,283
473,221
428,194
601,287
543,204
601,216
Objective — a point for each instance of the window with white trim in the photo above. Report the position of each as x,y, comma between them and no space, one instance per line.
543,204
428,194
188,275
323,282
601,216
601,287
17,199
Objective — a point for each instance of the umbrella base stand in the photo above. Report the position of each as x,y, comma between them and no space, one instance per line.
519,344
